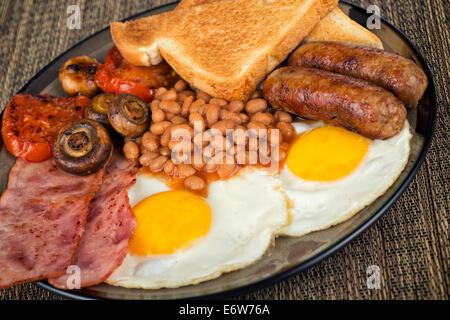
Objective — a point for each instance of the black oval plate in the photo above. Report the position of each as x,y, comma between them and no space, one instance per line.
289,255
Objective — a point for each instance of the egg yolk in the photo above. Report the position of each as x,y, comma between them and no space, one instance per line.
326,153
169,221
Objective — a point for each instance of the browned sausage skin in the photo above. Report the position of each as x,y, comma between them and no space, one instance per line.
390,71
351,103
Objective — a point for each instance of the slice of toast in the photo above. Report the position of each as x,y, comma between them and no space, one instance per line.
226,47
335,26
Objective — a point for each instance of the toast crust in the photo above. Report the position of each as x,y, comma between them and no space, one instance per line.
335,26
133,40
225,47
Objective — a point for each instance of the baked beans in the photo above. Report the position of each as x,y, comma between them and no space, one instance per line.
180,85
287,130
150,141
283,116
146,158
204,96
170,106
159,93
131,150
185,121
158,115
235,106
169,95
194,183
256,105
157,164
186,105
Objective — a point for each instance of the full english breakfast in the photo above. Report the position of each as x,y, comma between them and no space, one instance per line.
206,133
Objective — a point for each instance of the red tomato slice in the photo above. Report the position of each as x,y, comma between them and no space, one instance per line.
108,83
119,76
30,123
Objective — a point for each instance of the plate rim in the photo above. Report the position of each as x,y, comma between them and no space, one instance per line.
283,275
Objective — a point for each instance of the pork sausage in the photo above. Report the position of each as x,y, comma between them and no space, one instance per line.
354,104
390,71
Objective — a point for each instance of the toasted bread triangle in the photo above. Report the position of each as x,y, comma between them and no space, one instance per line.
335,26
226,47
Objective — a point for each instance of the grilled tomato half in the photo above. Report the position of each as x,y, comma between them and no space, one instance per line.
119,76
31,122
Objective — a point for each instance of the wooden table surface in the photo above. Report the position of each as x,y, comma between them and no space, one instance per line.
409,243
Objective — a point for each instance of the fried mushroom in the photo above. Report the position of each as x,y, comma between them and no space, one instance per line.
82,147
77,76
97,109
129,116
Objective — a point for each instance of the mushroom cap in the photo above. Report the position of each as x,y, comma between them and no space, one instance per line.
98,107
77,76
130,116
82,147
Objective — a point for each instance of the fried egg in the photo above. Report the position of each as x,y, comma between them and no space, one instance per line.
182,238
331,173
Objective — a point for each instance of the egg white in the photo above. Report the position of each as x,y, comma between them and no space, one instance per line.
319,205
247,211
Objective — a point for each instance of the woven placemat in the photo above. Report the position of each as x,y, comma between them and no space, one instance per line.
409,243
